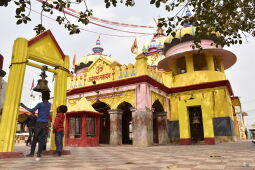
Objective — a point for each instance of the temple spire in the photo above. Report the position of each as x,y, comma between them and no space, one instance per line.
187,17
98,49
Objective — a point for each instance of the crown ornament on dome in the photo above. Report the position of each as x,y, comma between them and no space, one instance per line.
98,49
187,17
145,49
153,44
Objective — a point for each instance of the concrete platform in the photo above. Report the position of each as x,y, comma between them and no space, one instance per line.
232,156
5,155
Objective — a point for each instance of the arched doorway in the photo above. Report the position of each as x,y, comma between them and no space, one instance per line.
157,108
102,107
196,124
126,122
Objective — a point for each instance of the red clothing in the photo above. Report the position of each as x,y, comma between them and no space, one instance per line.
59,122
50,118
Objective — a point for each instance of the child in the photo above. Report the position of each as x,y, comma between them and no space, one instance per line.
58,128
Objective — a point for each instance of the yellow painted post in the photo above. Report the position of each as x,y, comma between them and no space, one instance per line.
207,121
59,94
183,120
220,61
13,94
172,66
189,62
210,62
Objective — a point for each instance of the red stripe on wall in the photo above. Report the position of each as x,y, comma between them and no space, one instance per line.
147,79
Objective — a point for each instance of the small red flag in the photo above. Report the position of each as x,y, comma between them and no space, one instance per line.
134,47
33,84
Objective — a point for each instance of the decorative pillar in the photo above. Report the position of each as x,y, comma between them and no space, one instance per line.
142,127
142,118
189,62
172,64
115,126
13,94
209,61
162,128
83,126
220,61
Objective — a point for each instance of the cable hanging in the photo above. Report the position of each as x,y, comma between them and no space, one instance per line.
104,34
107,27
113,22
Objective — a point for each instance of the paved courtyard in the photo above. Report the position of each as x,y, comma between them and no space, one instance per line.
235,155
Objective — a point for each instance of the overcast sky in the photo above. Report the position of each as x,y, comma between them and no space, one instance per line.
241,75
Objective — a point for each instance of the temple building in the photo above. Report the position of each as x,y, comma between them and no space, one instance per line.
172,93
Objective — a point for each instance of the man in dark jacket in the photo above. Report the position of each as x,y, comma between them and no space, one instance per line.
31,121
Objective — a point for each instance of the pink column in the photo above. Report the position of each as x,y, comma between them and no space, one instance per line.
115,127
142,117
66,136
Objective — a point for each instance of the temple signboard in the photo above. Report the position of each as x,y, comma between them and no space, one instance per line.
100,77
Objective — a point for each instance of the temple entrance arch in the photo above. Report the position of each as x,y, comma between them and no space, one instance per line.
196,123
157,108
102,107
126,122
43,49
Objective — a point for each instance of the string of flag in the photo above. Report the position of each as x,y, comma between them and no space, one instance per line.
112,22
86,30
91,22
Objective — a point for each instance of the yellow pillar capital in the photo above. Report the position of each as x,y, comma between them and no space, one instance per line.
210,61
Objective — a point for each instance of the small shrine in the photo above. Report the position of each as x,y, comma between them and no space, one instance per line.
82,124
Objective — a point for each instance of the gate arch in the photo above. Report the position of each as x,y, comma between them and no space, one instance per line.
126,122
99,106
157,108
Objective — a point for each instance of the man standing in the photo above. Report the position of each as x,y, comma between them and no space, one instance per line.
41,126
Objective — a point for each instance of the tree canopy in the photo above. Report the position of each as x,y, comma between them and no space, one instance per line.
234,20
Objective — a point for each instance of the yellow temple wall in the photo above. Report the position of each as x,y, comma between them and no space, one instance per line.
197,77
103,71
214,102
111,99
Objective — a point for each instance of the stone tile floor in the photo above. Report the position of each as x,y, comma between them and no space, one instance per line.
232,156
